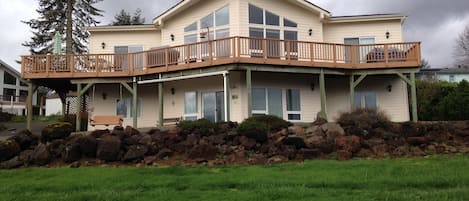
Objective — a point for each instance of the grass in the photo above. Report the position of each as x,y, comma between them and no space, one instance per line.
438,178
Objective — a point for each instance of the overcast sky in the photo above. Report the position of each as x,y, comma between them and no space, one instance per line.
436,23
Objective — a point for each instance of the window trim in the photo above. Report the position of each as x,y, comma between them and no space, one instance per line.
288,112
196,114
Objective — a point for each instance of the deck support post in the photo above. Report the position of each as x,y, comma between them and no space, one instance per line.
249,90
135,103
322,89
29,105
226,89
133,90
160,104
353,84
413,93
78,109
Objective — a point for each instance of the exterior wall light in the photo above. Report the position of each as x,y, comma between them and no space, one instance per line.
173,91
310,32
389,87
103,45
312,86
388,34
172,37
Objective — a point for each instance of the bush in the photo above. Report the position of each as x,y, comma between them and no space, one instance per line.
363,119
201,127
5,117
258,127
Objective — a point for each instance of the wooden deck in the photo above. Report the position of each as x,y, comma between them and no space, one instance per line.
223,51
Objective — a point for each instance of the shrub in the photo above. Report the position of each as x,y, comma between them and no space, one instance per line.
201,127
5,117
258,127
364,119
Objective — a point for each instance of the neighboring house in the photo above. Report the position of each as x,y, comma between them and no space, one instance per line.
232,59
13,91
457,74
54,104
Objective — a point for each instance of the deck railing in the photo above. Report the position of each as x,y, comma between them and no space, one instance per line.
224,51
12,100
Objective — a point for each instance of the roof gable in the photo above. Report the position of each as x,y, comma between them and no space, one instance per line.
10,69
185,4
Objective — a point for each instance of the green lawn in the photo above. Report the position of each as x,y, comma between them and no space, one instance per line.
437,178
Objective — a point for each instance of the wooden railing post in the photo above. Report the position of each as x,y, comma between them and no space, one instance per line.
210,52
386,55
188,55
239,48
311,52
334,54
287,43
418,53
23,60
264,49
354,55
166,58
48,62
72,64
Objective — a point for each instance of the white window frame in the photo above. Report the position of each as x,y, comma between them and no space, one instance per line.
128,106
281,27
266,111
213,29
196,114
288,112
363,99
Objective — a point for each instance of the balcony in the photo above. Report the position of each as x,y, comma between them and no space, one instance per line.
223,51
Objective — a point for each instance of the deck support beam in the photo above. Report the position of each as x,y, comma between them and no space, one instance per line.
160,104
353,84
249,91
78,109
133,90
322,88
413,93
29,105
226,88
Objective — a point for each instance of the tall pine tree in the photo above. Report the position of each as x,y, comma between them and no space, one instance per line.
53,18
124,18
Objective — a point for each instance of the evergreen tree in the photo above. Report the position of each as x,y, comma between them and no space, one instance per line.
53,17
124,18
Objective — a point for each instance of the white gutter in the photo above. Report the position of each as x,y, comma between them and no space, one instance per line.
182,77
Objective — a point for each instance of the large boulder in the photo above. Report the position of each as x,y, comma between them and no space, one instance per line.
296,130
40,155
108,148
129,131
332,130
71,152
204,151
25,139
296,141
59,130
88,145
99,133
135,152
9,149
163,153
12,163
348,143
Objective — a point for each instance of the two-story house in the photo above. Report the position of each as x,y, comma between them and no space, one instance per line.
231,59
13,91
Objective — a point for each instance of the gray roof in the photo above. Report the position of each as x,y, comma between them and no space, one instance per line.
10,69
454,70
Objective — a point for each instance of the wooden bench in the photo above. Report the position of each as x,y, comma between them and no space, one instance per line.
106,120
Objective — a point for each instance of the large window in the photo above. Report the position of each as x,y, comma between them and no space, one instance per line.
293,104
256,15
9,79
9,92
267,101
216,21
272,19
190,106
365,100
125,104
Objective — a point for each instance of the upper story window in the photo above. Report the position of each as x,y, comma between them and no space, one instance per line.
256,15
222,16
265,24
289,23
191,27
9,79
216,21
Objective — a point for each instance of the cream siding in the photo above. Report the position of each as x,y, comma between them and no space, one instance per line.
395,103
306,19
336,32
147,39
